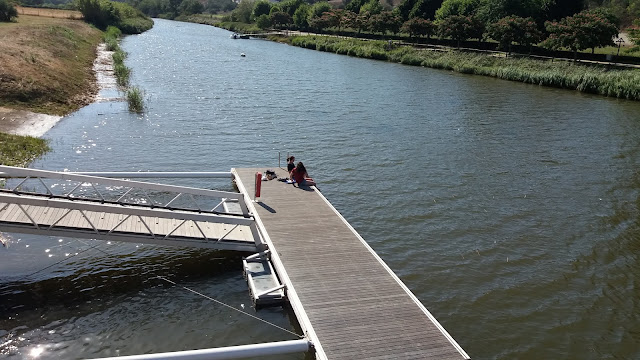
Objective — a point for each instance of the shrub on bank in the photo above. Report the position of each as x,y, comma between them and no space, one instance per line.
105,13
135,25
122,73
118,56
596,79
112,32
112,44
7,11
135,100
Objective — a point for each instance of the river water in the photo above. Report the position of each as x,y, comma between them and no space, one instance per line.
510,210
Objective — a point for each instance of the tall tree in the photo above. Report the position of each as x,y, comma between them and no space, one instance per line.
290,6
512,29
300,17
585,30
190,7
558,9
281,19
458,7
261,7
372,7
355,5
243,11
7,11
460,28
320,8
405,8
420,27
425,9
493,10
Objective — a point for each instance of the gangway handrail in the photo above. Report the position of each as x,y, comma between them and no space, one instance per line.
158,174
128,209
11,171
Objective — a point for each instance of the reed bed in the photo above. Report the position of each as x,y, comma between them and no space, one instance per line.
588,78
134,95
135,99
122,73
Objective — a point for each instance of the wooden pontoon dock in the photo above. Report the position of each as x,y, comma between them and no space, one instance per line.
349,302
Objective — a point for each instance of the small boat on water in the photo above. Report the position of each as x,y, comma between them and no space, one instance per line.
243,55
239,36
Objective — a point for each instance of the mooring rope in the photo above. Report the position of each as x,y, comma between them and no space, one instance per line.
165,279
230,307
64,259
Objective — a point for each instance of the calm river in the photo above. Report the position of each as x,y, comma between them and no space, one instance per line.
510,210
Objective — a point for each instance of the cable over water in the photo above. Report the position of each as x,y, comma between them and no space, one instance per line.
231,307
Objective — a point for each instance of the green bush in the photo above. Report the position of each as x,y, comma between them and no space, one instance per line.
112,32
112,44
135,25
7,11
105,13
118,56
100,13
135,100
122,74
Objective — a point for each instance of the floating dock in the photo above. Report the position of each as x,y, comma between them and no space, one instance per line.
349,303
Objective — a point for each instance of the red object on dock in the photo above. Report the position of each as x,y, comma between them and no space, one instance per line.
258,183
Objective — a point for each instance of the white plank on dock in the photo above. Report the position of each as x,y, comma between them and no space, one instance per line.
356,306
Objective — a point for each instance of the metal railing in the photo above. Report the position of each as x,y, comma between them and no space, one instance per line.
91,194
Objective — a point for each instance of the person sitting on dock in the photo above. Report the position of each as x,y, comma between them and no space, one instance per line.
291,163
300,176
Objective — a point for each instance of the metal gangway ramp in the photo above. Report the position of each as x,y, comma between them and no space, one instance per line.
349,303
79,205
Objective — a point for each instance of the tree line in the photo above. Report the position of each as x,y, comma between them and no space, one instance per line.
572,24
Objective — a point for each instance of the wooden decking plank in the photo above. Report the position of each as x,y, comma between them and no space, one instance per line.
14,212
356,307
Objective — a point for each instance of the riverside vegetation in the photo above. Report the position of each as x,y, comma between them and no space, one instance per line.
559,27
134,95
46,68
18,150
595,79
47,65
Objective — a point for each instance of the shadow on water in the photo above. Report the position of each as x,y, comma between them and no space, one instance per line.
95,278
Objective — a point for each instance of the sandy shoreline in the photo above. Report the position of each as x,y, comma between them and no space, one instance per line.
27,123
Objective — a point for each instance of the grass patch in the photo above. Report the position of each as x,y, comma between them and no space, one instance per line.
134,95
118,56
595,79
112,32
18,150
135,100
122,73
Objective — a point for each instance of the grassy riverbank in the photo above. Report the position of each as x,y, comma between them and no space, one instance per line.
595,79
45,67
134,95
47,64
20,150
217,21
